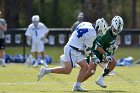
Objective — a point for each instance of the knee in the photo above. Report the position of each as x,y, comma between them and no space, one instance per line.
114,62
67,71
90,73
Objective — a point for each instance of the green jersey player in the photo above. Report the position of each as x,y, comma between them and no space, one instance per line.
101,49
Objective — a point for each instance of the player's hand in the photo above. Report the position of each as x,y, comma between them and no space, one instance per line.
95,59
29,40
114,47
88,51
107,57
42,38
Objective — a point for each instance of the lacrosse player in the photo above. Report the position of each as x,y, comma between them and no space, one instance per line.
75,51
101,49
80,19
36,34
3,28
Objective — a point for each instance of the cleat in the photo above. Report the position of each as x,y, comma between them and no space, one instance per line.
43,72
100,82
35,65
78,88
112,73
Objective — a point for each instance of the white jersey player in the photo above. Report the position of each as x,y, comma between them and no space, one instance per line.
75,51
37,32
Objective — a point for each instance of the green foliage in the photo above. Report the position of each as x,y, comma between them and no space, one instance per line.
62,16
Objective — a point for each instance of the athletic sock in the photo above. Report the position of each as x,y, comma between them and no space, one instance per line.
78,84
3,61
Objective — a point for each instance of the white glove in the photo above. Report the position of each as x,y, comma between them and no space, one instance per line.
107,57
114,47
29,41
43,38
87,50
45,41
95,59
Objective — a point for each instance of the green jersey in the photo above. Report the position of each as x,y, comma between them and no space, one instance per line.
105,42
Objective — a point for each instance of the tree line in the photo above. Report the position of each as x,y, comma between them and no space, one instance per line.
63,13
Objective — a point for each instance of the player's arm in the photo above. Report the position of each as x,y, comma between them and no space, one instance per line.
99,47
28,35
3,25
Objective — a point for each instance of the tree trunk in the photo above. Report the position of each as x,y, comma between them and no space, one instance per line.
29,11
92,9
11,13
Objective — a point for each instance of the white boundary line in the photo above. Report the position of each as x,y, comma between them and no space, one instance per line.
44,83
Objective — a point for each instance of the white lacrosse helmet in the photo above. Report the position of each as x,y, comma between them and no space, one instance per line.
35,18
117,25
101,26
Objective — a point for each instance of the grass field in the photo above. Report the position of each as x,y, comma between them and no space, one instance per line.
18,78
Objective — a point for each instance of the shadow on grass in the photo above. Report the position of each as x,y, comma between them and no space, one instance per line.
106,91
45,91
90,91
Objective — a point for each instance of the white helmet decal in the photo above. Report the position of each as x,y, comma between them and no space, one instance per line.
101,26
117,25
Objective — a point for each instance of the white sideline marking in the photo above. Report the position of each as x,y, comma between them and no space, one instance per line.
44,83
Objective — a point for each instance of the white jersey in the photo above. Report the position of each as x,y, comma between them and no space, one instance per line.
36,32
84,35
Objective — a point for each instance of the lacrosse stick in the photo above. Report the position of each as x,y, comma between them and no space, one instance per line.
112,73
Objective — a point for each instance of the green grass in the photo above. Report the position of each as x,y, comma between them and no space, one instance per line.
18,78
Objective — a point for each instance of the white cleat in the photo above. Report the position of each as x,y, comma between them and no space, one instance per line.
35,65
100,82
78,88
43,72
112,73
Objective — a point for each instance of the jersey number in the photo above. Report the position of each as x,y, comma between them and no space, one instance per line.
81,32
36,33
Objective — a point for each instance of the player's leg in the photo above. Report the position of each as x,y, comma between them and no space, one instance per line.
2,52
84,68
67,58
41,49
36,58
34,50
66,69
82,62
90,72
111,65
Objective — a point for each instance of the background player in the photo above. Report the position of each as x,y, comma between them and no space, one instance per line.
37,32
3,28
80,19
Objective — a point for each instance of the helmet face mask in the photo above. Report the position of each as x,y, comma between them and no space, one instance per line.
101,26
116,25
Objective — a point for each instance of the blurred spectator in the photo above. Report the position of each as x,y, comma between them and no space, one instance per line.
80,19
3,28
36,34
